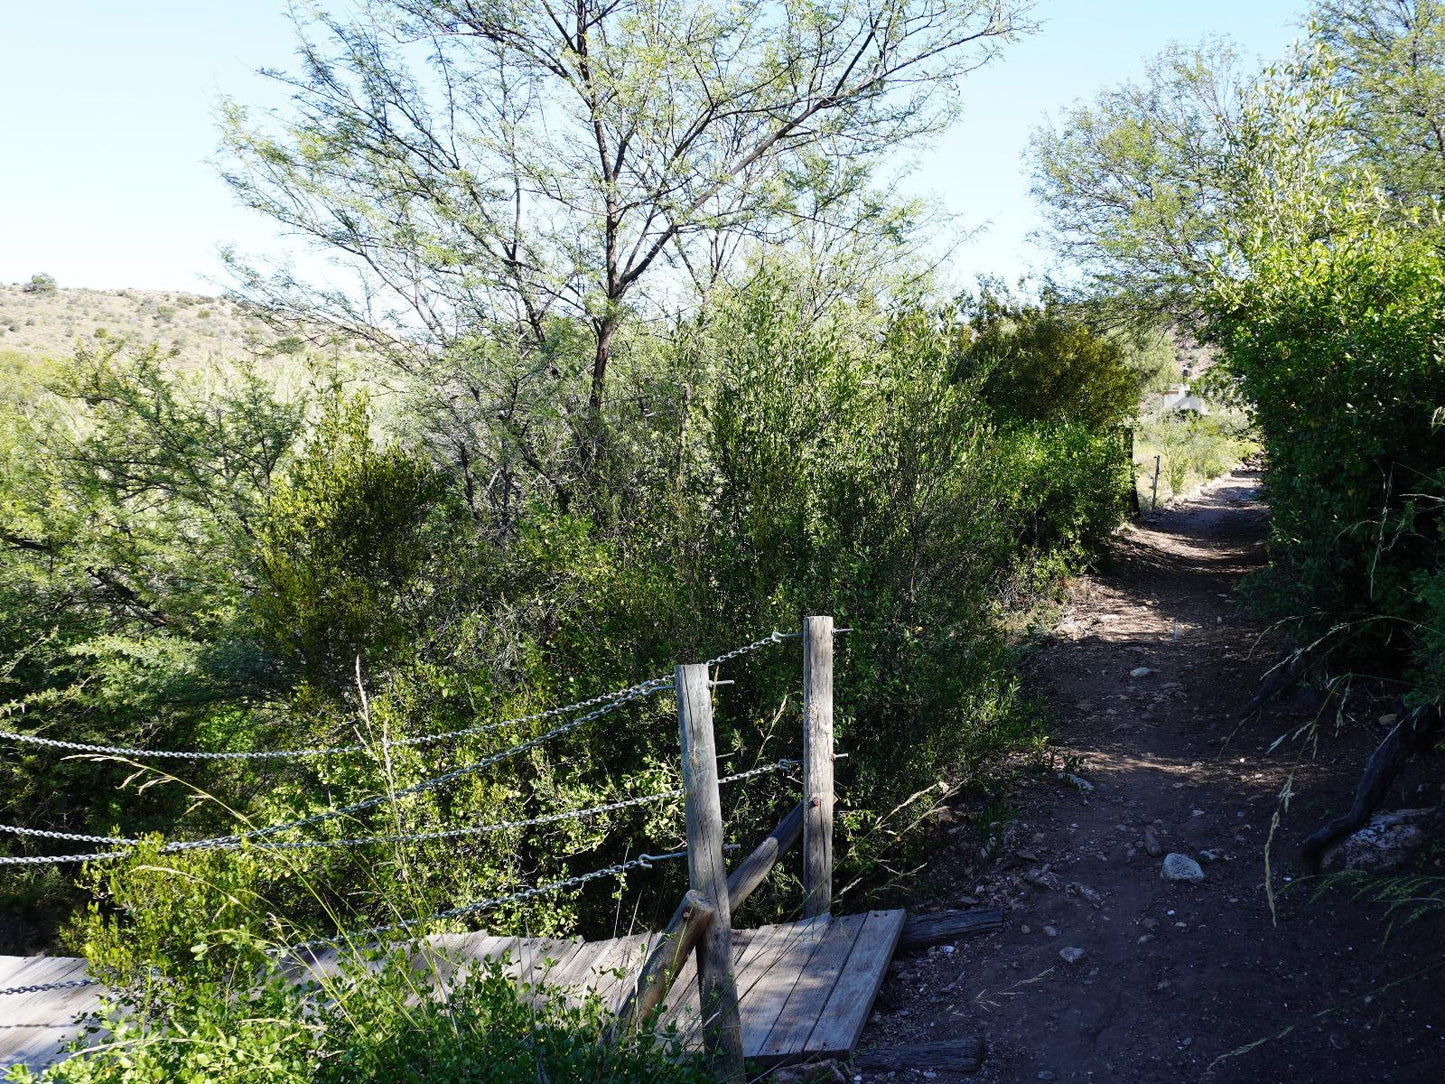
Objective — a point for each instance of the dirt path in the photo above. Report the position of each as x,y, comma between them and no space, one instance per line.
1171,976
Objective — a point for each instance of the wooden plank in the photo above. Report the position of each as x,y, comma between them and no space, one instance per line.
537,956
665,954
47,1008
572,972
773,973
817,766
613,957
946,1055
562,961
37,1026
681,1007
502,949
708,874
920,931
33,1045
616,975
843,1016
799,1015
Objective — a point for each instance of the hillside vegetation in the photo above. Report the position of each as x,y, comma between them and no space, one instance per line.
38,325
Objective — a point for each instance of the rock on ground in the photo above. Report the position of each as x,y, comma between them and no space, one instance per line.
1180,867
1388,842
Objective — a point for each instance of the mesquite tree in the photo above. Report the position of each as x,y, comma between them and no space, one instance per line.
511,179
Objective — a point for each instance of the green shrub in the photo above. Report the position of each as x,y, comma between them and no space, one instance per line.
254,566
197,993
1337,346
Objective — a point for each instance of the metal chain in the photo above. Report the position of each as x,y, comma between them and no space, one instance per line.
415,837
41,833
385,743
773,637
642,861
329,750
365,803
68,984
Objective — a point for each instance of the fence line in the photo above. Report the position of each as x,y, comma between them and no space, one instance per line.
361,841
377,799
136,753
707,869
617,869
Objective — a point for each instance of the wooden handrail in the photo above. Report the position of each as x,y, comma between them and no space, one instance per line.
692,917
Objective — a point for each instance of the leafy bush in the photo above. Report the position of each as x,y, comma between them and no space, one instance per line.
1337,344
197,994
40,283
243,552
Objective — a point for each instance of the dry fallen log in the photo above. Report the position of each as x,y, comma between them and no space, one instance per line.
945,1056
920,931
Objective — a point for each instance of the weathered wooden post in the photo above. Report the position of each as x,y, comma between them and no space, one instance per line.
817,766
1134,508
707,871
1154,496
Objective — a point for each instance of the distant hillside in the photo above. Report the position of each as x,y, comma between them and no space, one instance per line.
36,324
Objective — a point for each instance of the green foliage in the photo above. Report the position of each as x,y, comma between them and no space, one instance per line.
345,535
1044,365
1388,62
264,572
1338,345
178,939
40,283
1138,186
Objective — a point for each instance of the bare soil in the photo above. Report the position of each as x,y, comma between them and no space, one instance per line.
1176,981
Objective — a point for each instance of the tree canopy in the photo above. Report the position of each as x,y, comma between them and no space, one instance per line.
509,181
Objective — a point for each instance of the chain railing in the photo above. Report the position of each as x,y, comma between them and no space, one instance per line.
138,753
599,706
363,841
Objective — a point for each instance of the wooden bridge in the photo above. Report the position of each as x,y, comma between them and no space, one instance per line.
805,988
778,994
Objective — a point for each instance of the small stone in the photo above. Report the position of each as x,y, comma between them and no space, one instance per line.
1071,955
1152,843
1389,719
1210,855
1026,929
1088,894
1051,931
1076,781
1141,671
1180,867
1144,939
1044,1074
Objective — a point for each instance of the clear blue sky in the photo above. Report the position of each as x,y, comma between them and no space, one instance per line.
107,124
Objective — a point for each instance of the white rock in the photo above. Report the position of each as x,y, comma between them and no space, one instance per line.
1180,867
1071,955
1388,842
1141,671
